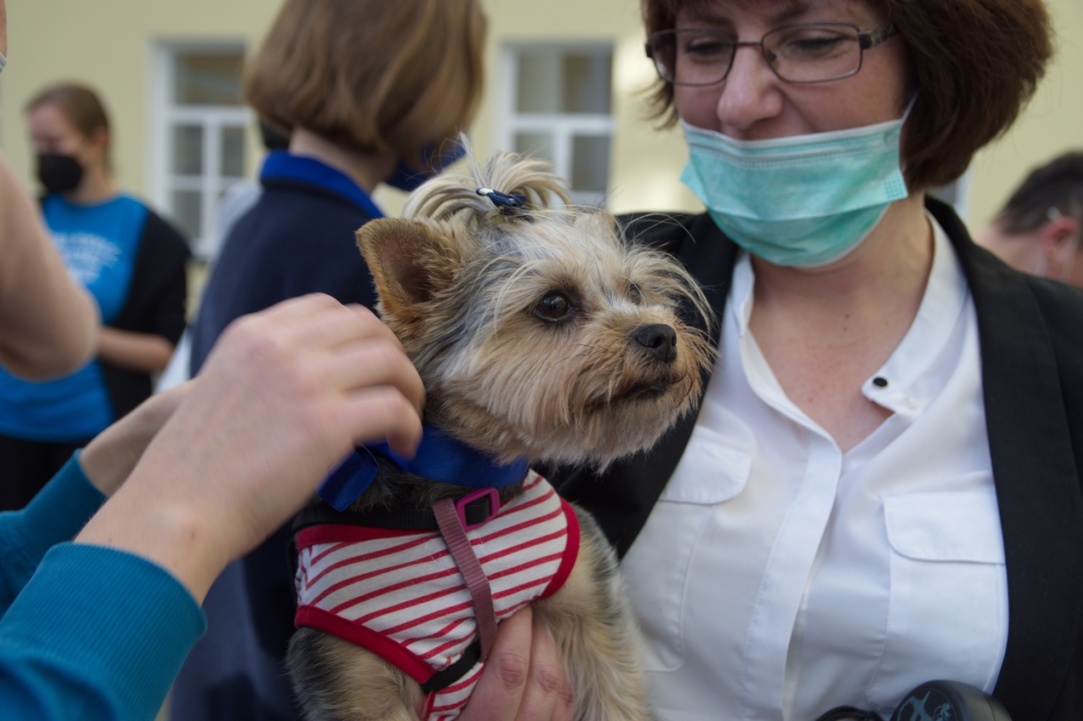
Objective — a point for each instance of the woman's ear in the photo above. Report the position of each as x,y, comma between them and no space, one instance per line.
1059,239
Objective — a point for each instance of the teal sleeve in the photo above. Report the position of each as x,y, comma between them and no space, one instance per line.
56,514
97,633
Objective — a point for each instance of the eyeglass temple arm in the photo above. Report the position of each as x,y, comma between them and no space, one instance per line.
872,38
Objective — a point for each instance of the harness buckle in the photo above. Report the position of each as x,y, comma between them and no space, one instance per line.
478,496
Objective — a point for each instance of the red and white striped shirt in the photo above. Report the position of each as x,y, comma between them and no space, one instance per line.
400,595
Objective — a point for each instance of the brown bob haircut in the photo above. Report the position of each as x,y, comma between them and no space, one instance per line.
974,65
78,103
376,76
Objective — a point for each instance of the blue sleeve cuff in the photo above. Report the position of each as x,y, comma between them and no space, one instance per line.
103,620
56,514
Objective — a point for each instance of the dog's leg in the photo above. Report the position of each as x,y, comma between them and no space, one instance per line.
593,627
335,680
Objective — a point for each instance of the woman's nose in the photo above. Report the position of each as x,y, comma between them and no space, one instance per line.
750,93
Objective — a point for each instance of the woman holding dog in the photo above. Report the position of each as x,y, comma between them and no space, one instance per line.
882,485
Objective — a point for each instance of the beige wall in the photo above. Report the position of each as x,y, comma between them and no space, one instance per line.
108,43
1051,124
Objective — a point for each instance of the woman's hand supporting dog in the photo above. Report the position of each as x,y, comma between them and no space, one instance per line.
524,678
283,396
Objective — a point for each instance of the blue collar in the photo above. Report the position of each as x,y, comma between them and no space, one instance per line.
439,457
283,165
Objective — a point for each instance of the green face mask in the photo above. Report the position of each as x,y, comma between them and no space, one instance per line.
802,201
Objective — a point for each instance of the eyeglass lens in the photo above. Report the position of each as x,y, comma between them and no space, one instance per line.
797,53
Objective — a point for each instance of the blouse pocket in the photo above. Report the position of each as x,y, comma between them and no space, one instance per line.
657,565
948,590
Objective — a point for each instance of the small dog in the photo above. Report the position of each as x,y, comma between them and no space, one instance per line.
541,336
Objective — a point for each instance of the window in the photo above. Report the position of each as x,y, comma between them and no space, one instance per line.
556,106
200,137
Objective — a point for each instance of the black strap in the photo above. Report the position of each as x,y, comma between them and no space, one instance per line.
449,675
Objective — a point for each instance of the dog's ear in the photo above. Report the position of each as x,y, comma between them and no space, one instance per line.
410,261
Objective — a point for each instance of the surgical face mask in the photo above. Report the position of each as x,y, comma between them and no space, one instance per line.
408,178
59,173
801,201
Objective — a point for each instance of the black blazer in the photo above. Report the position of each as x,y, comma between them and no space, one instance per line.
1031,337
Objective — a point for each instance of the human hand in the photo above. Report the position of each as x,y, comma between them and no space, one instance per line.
524,678
110,458
283,396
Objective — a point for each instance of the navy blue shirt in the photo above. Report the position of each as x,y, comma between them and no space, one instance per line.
298,238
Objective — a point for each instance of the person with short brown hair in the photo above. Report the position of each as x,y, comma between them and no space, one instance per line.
974,65
371,93
406,74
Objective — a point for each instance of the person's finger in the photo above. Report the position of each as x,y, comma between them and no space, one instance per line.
384,413
318,320
547,687
374,361
503,681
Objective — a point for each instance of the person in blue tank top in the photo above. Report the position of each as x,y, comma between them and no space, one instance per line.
133,263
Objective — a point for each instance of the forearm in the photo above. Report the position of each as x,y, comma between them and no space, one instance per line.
143,352
176,535
48,323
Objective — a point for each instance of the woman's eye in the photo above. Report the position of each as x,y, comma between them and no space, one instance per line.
813,44
553,307
707,47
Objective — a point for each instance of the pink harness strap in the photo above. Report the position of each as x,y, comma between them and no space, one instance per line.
477,583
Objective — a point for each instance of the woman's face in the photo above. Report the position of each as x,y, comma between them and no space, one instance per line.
52,132
753,103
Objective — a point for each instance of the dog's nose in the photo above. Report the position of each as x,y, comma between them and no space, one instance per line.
659,339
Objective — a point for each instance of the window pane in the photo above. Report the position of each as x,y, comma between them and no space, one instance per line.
586,83
187,150
563,80
590,163
187,208
536,145
233,151
208,78
538,82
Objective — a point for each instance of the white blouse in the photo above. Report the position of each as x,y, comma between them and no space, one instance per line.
777,577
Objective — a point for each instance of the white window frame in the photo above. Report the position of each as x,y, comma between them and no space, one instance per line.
562,128
165,115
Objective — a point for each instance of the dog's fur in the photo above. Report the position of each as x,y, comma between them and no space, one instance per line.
541,334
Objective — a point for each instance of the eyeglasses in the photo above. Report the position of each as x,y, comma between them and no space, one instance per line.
805,53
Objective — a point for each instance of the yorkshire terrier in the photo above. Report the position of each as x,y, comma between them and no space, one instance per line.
542,337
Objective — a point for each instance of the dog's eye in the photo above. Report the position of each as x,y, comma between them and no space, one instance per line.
635,294
553,307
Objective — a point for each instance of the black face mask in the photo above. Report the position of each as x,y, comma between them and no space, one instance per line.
59,173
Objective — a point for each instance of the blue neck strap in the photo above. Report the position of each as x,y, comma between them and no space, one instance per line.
439,458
